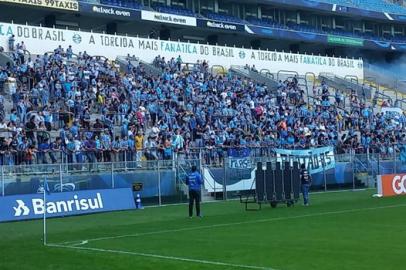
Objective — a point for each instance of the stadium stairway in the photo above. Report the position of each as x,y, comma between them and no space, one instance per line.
6,58
345,85
365,170
123,62
387,85
263,78
182,169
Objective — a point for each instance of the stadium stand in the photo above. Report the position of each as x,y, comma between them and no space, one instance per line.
266,23
123,3
308,28
375,5
222,17
76,108
173,9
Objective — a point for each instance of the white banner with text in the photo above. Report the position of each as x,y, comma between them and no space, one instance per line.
40,40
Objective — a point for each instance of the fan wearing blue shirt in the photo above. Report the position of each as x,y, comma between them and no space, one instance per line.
194,182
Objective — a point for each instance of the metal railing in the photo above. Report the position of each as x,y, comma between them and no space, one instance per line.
212,156
164,179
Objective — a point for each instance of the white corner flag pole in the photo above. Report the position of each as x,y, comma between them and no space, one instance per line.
45,213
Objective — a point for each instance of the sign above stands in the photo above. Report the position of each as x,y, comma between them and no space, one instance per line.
40,40
110,11
54,4
168,18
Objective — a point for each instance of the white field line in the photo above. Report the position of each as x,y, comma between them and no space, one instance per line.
86,241
156,256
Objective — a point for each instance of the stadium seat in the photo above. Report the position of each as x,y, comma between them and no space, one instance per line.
373,5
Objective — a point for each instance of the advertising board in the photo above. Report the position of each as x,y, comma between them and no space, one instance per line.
32,206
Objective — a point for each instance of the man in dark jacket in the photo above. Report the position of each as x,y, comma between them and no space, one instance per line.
306,181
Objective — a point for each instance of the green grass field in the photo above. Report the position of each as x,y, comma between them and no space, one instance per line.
346,230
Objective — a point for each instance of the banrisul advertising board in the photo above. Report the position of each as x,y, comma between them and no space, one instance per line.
40,40
32,206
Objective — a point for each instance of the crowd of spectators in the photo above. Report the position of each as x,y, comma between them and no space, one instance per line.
78,108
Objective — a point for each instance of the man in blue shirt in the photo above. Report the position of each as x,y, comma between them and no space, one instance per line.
43,148
194,182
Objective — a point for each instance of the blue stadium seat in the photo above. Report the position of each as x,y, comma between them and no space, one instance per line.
173,10
374,5
222,17
122,3
308,28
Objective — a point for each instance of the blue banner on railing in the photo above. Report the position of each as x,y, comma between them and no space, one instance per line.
316,159
32,206
239,152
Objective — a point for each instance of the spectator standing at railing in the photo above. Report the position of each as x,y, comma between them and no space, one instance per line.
78,151
13,149
130,147
4,150
123,142
30,154
22,146
150,147
43,149
55,153
167,149
106,146
89,146
139,144
115,149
